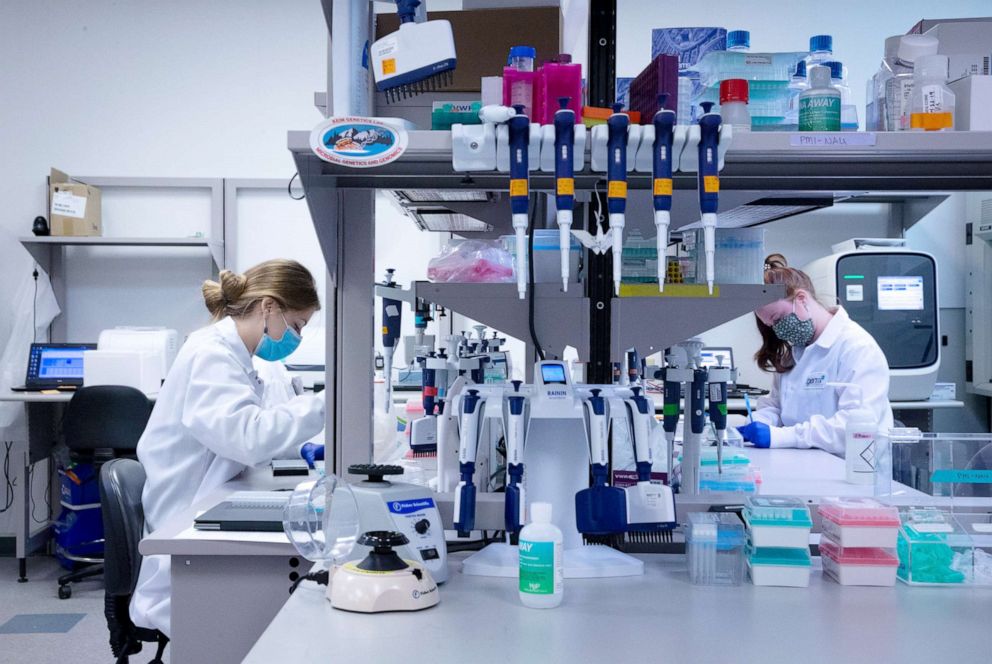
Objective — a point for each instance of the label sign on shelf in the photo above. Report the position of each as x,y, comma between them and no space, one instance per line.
358,142
852,139
943,475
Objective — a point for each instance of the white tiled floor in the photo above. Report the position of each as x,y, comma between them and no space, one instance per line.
85,643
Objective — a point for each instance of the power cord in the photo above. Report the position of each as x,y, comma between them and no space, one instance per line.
9,483
321,578
34,307
289,188
538,349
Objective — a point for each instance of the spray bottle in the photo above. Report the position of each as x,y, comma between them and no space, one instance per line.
860,432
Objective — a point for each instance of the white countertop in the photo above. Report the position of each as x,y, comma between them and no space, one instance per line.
655,618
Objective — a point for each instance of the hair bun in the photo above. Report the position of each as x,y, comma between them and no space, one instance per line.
775,261
232,286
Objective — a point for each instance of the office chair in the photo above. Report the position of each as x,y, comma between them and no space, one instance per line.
100,423
121,483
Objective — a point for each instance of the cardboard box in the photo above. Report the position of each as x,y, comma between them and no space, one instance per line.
74,207
967,42
483,38
972,101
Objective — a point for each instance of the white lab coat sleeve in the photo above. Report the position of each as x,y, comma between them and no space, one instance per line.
864,365
223,412
769,409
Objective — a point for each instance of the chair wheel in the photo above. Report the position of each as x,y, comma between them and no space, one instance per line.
65,592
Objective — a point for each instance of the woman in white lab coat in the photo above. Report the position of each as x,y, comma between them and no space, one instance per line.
209,422
807,345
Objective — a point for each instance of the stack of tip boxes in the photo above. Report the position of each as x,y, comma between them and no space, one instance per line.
778,540
859,541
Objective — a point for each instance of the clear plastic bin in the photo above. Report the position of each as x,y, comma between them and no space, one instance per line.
547,259
640,259
859,522
779,567
940,548
718,66
777,521
856,566
715,549
740,255
953,465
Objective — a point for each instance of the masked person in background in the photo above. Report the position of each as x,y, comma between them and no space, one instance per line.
808,345
210,421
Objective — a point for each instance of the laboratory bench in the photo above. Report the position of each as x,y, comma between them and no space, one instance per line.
656,617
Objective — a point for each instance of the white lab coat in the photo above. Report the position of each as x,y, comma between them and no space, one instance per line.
209,423
803,413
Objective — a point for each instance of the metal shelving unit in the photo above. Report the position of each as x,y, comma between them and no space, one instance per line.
914,171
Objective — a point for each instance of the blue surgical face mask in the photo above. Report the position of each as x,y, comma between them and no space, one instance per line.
272,350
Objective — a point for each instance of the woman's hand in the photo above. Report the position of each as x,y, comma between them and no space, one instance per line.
312,452
757,433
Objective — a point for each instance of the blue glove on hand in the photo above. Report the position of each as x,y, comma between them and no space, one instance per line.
312,452
757,433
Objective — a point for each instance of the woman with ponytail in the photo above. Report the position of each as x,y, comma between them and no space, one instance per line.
807,345
209,422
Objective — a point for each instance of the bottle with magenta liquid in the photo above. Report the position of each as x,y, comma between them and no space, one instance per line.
518,79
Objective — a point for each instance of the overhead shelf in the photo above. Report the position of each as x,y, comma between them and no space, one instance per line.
766,161
39,246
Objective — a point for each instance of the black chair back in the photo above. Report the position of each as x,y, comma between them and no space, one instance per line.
121,484
105,416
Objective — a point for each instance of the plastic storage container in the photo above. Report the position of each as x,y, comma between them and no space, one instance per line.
733,104
777,521
859,522
547,259
659,77
938,548
715,549
768,76
899,86
858,566
740,255
518,79
932,108
779,567
558,78
640,259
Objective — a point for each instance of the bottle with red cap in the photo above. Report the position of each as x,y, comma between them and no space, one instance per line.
733,104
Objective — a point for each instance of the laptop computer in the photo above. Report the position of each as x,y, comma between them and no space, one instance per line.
54,366
246,511
712,357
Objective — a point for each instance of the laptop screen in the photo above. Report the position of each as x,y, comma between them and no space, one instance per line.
56,364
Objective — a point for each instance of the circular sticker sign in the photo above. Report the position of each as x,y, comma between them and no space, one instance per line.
358,142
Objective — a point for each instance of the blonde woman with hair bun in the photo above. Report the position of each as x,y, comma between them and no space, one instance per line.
209,422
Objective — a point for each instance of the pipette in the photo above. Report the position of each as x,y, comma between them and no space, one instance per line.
392,316
747,404
664,137
519,137
514,506
564,181
467,450
618,126
709,183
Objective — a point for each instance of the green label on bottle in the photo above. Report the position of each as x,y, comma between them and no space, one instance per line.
537,567
819,113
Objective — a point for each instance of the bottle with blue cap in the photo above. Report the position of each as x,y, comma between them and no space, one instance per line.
518,78
796,86
821,49
848,111
739,40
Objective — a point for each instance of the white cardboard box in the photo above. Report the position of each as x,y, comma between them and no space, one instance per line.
973,99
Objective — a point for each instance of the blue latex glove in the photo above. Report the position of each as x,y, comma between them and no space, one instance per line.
757,433
312,452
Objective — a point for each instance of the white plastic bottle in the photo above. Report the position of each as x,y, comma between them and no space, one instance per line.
899,87
859,446
933,102
541,568
733,104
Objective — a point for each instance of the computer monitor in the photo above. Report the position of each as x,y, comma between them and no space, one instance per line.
714,356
